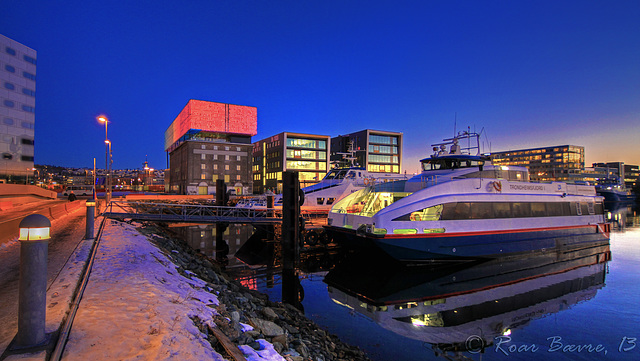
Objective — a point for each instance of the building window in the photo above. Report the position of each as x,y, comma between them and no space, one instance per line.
226,148
203,176
9,86
10,51
203,166
226,157
28,92
238,177
203,156
27,158
215,167
238,158
237,167
9,68
29,75
29,59
215,157
226,167
27,125
203,146
8,103
7,121
27,141
238,149
29,109
227,178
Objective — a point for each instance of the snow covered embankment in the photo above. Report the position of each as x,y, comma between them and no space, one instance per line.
146,303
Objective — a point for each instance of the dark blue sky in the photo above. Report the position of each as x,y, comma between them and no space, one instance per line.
531,73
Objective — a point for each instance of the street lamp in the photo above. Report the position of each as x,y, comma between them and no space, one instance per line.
107,164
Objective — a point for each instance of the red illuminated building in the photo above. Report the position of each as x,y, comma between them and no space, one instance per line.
209,141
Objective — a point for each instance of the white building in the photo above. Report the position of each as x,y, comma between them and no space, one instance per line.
17,110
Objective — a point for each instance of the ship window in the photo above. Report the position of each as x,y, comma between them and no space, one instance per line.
330,200
463,211
320,201
502,210
538,210
428,214
481,210
591,208
554,209
521,209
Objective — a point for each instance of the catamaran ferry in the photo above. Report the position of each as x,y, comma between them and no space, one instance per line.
463,207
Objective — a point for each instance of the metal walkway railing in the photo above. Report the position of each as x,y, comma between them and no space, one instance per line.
194,213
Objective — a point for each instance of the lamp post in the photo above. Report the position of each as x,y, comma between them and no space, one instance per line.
107,164
34,244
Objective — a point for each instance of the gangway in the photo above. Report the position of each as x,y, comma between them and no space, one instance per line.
189,213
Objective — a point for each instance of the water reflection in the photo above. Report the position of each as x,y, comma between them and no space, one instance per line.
464,308
622,215
218,241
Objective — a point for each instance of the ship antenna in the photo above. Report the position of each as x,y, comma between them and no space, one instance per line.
455,124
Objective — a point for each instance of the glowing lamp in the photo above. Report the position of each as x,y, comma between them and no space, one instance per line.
35,228
91,203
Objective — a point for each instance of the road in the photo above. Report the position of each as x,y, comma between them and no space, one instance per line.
66,234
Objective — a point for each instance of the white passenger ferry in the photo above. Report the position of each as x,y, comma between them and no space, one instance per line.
463,207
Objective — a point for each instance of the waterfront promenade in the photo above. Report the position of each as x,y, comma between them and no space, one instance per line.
150,297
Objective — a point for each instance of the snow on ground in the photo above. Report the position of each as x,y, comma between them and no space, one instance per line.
137,305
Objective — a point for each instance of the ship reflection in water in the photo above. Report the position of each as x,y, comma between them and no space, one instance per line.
466,308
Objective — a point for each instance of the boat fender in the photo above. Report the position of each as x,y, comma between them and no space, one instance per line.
497,186
366,182
312,238
414,217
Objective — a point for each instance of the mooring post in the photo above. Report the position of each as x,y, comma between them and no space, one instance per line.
34,247
290,233
90,221
222,248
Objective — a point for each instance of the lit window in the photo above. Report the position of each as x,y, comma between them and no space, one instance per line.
203,166
203,156
237,167
203,176
226,167
215,167
238,158
238,177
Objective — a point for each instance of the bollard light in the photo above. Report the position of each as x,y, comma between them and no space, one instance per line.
34,243
35,228
91,215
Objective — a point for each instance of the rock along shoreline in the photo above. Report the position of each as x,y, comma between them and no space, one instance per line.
292,335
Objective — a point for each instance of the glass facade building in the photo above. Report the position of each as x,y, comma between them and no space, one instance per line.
557,163
17,111
305,153
375,150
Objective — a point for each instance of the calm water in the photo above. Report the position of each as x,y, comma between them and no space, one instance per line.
584,308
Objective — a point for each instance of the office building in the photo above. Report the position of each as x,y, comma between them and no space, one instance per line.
557,163
209,141
619,172
375,150
305,153
17,111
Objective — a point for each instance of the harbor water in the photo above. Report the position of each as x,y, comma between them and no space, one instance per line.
582,306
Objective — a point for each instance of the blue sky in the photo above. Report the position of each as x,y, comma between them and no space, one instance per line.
530,73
